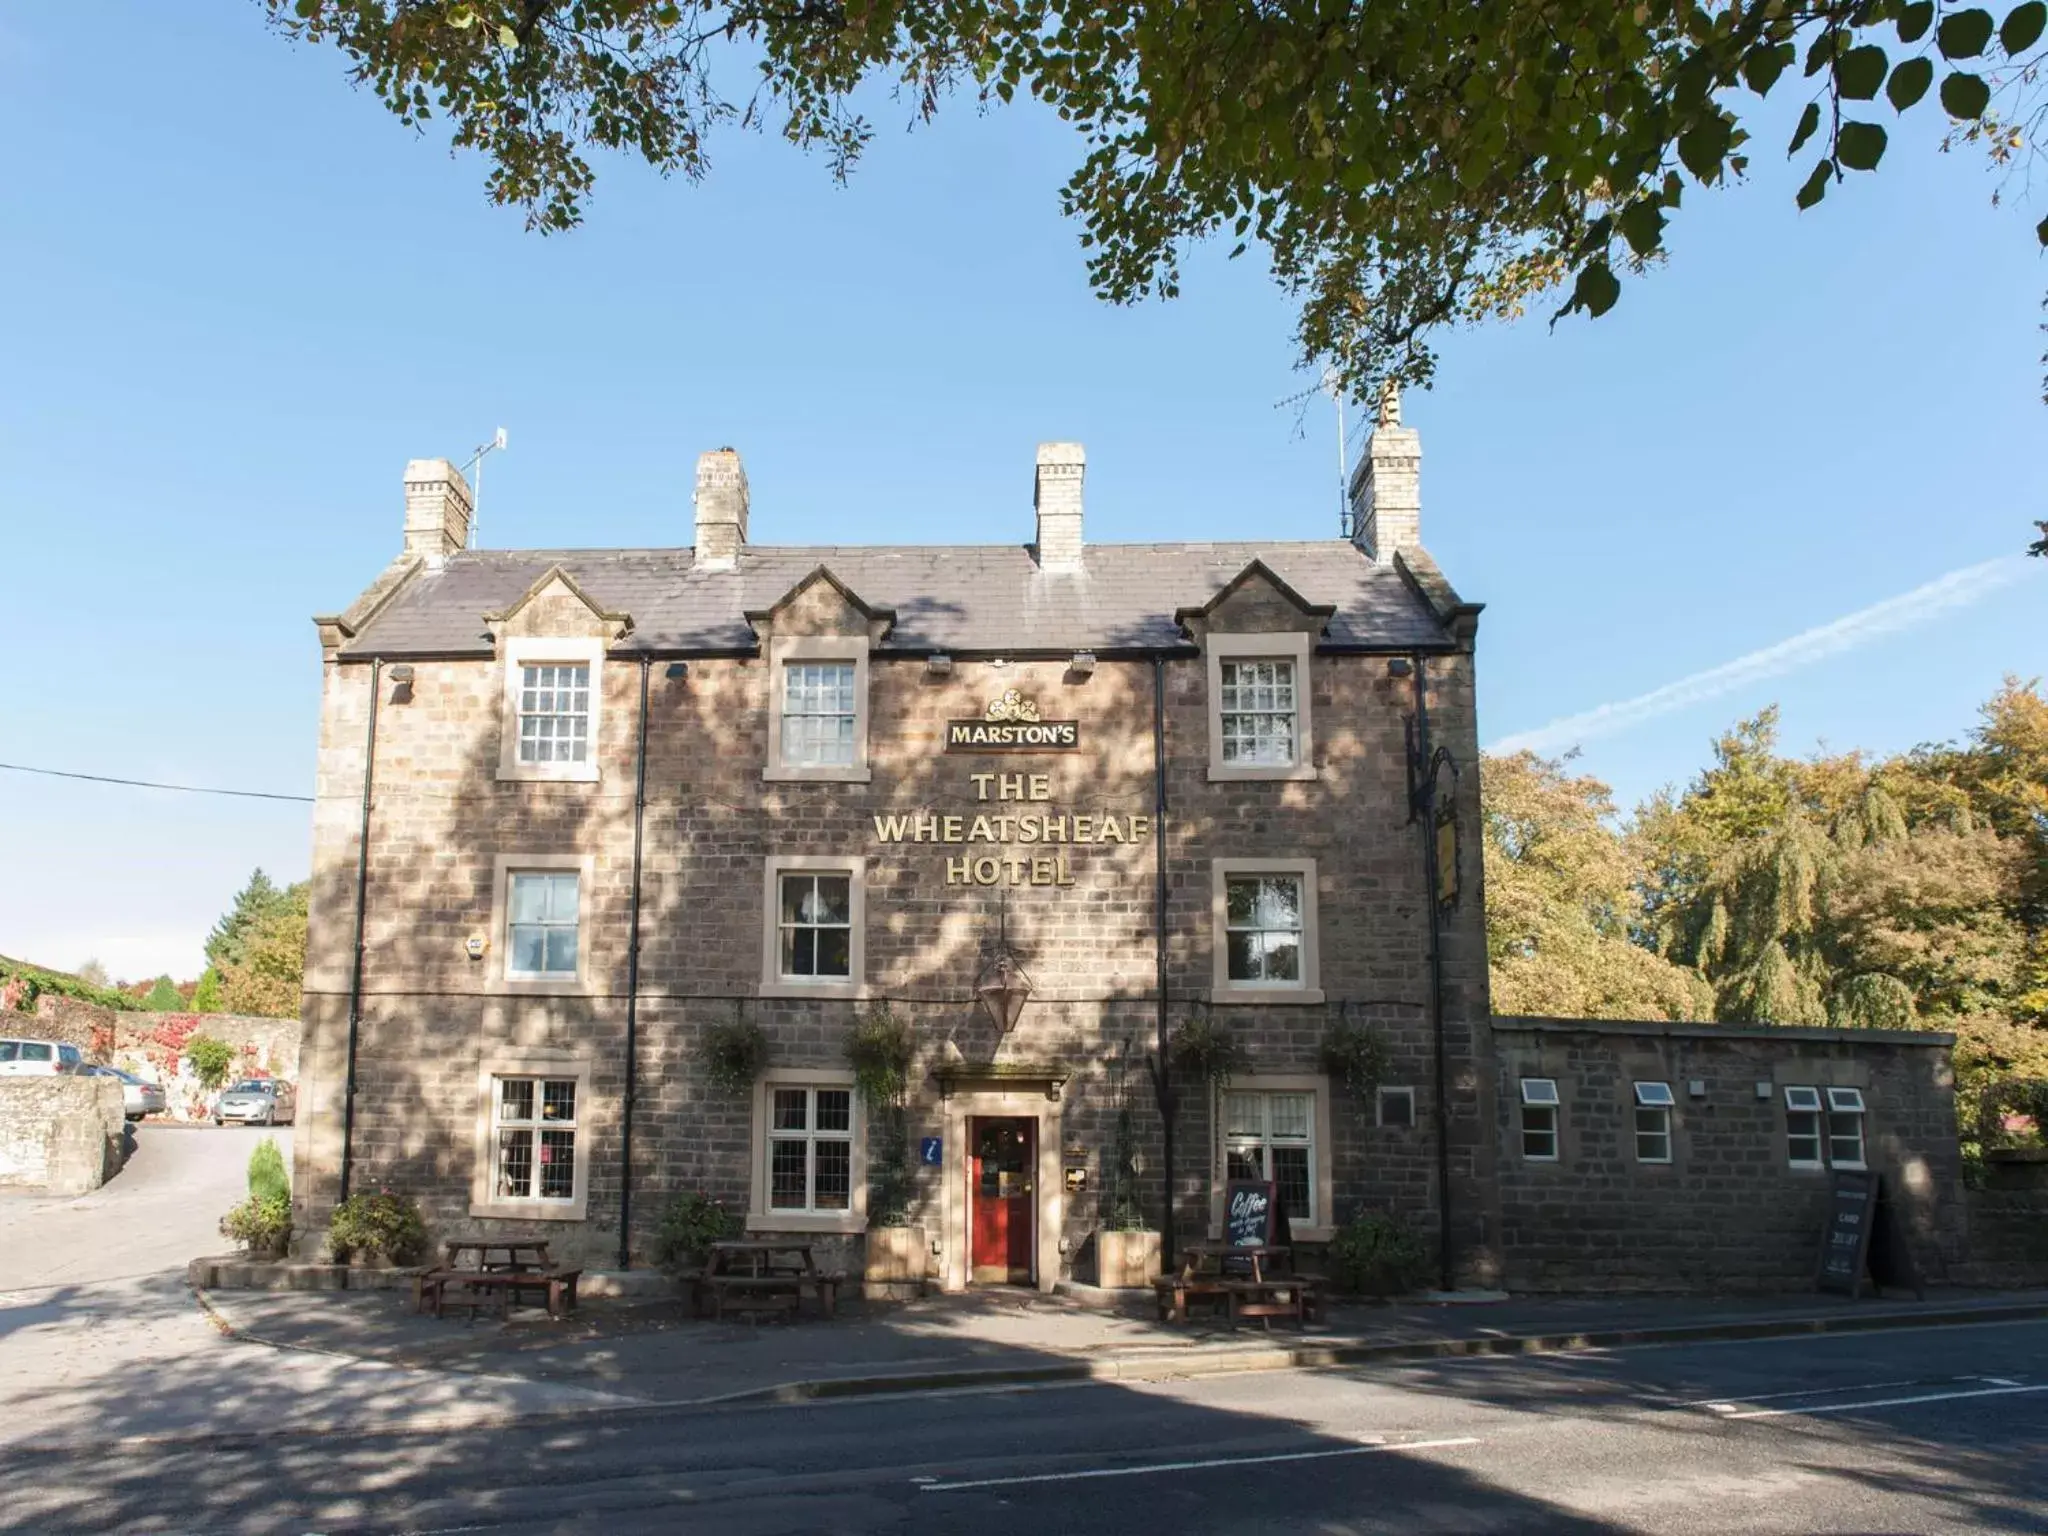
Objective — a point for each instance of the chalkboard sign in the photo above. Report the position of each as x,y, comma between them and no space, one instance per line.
1250,1213
1845,1240
1863,1239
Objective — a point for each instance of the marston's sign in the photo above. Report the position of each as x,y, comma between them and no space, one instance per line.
1011,724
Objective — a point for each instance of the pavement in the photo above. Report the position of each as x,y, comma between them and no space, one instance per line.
1934,1430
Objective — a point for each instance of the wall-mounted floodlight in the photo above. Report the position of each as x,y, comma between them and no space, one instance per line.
1083,664
938,664
676,671
401,683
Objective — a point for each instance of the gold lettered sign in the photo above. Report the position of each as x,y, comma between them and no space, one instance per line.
1011,724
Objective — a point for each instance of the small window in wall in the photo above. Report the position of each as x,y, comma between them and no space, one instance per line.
1262,927
1653,1122
1845,1128
554,713
1802,1127
816,927
810,1149
542,924
534,1138
1539,1119
1257,712
1397,1107
818,715
1271,1136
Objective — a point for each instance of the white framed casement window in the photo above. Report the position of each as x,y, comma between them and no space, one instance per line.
1845,1128
1803,1128
810,1166
1653,1107
554,703
818,709
814,927
1397,1108
1539,1119
539,937
1259,707
532,1137
1277,1128
1265,926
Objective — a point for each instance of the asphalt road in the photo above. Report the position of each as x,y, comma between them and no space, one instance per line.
1930,1431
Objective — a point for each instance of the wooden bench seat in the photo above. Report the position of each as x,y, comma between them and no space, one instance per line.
502,1287
763,1293
1284,1296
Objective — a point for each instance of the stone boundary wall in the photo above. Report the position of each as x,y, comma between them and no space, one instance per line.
62,1134
271,1045
1728,1213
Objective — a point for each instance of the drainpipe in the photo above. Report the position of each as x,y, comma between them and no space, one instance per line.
355,982
1422,807
1161,1081
633,987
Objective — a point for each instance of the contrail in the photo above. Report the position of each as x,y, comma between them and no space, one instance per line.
1844,634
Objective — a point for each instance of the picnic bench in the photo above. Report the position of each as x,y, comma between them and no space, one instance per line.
751,1275
499,1273
1242,1280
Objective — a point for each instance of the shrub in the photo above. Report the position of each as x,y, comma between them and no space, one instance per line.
164,997
210,1059
267,1178
690,1225
733,1055
383,1224
262,1224
1378,1255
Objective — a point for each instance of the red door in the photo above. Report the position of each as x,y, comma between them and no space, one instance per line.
1002,1176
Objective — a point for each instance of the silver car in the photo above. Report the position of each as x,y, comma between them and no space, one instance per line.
258,1101
138,1097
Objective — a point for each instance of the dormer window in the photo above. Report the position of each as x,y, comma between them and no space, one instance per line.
817,709
554,705
1259,707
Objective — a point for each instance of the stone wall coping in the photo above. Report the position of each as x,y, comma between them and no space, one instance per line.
1514,1024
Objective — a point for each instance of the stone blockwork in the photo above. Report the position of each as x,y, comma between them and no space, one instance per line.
1727,1213
63,1135
434,1015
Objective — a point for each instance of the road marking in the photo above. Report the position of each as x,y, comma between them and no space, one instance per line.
1726,1404
1195,1466
1887,1402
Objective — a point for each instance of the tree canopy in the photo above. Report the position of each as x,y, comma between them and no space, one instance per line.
163,997
270,969
1406,167
256,902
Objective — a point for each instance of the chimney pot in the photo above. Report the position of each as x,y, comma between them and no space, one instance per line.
1057,497
438,508
1386,488
721,509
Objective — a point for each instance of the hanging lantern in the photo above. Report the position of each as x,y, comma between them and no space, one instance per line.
1003,987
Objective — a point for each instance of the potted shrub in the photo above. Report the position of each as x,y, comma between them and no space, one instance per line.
1126,1249
262,1224
381,1229
881,1050
690,1225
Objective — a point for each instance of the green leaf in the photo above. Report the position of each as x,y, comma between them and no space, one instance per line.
1914,20
507,38
461,17
1965,96
1596,290
2041,231
1642,226
1964,34
1859,146
1702,145
2023,27
1762,66
1909,82
1816,186
1860,71
1808,121
306,8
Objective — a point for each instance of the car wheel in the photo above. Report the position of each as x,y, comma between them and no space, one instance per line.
218,1121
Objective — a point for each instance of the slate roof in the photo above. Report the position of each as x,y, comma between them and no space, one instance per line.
969,598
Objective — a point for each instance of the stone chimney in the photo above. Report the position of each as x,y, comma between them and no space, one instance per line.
437,509
1386,488
721,509
1057,496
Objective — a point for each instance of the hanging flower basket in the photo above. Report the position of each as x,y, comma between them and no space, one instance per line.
1204,1049
1356,1056
733,1054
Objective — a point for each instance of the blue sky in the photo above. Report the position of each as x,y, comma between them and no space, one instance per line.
239,297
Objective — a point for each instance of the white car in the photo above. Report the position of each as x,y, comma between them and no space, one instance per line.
32,1058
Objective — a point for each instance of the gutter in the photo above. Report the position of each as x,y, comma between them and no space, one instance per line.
1161,1079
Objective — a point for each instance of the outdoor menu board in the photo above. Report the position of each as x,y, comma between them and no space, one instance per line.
1845,1241
1253,1214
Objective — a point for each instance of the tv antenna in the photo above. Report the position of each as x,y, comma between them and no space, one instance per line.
1330,384
476,486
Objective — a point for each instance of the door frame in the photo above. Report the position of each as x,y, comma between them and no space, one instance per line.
975,1124
1035,1103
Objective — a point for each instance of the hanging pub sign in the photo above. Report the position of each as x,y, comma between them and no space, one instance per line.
1011,724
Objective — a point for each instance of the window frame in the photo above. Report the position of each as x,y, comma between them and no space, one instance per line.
1855,1110
536,651
1380,1110
499,976
1656,1100
782,650
1819,1136
1321,1171
1553,1106
1294,646
761,1217
1308,987
773,983
551,922
542,1065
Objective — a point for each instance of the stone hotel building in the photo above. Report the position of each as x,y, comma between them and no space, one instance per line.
585,815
